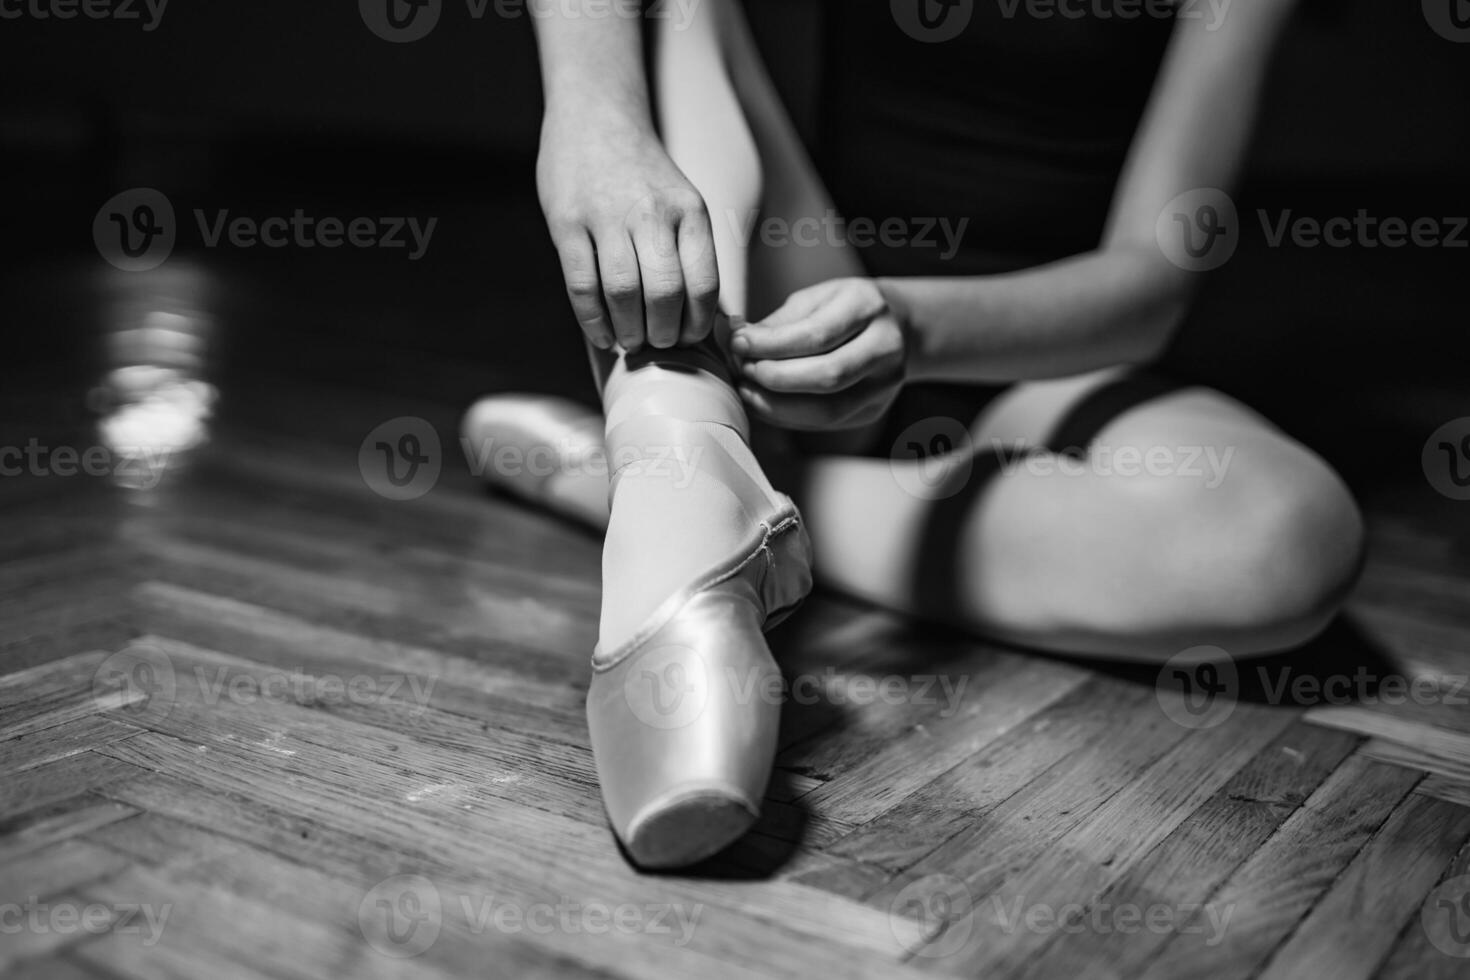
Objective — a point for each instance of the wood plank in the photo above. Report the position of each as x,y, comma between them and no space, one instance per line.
65,739
48,871
1415,956
1351,930
1184,869
230,874
534,852
41,786
896,786
1027,745
260,634
60,821
1271,892
1110,841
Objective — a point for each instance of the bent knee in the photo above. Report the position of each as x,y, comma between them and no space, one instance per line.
1281,555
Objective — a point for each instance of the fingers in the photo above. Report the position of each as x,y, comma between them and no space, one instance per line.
701,277
812,321
584,288
649,278
622,286
877,352
663,280
859,405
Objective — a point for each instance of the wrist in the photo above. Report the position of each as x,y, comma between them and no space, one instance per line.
614,108
900,309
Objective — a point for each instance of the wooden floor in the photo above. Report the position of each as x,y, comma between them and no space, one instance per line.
262,721
363,739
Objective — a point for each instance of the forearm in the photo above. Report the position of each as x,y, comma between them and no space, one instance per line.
1101,309
592,64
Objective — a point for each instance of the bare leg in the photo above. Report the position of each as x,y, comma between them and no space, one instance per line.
667,524
1240,538
1252,554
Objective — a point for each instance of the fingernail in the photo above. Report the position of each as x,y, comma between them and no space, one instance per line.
740,344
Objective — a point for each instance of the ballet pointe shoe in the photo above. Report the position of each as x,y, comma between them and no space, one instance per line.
542,449
565,433
683,715
683,712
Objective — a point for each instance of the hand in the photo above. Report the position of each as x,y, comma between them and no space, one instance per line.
633,234
832,357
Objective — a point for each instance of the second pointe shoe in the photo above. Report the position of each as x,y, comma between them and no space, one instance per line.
683,715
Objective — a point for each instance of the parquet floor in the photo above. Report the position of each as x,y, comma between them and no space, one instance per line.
262,721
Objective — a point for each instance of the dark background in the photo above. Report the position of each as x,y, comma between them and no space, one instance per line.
272,105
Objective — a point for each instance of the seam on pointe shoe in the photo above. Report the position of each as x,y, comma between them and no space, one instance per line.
670,607
615,475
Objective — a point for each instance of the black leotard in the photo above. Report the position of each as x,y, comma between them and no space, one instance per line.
1020,123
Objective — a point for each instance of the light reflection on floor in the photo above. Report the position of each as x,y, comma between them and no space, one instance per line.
153,401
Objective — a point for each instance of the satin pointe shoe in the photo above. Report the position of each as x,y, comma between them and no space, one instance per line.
549,436
683,715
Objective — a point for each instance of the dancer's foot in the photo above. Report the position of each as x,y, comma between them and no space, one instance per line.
543,449
702,555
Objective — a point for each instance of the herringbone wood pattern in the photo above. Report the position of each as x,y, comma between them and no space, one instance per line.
259,799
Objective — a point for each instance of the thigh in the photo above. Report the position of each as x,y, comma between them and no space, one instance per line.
1177,516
